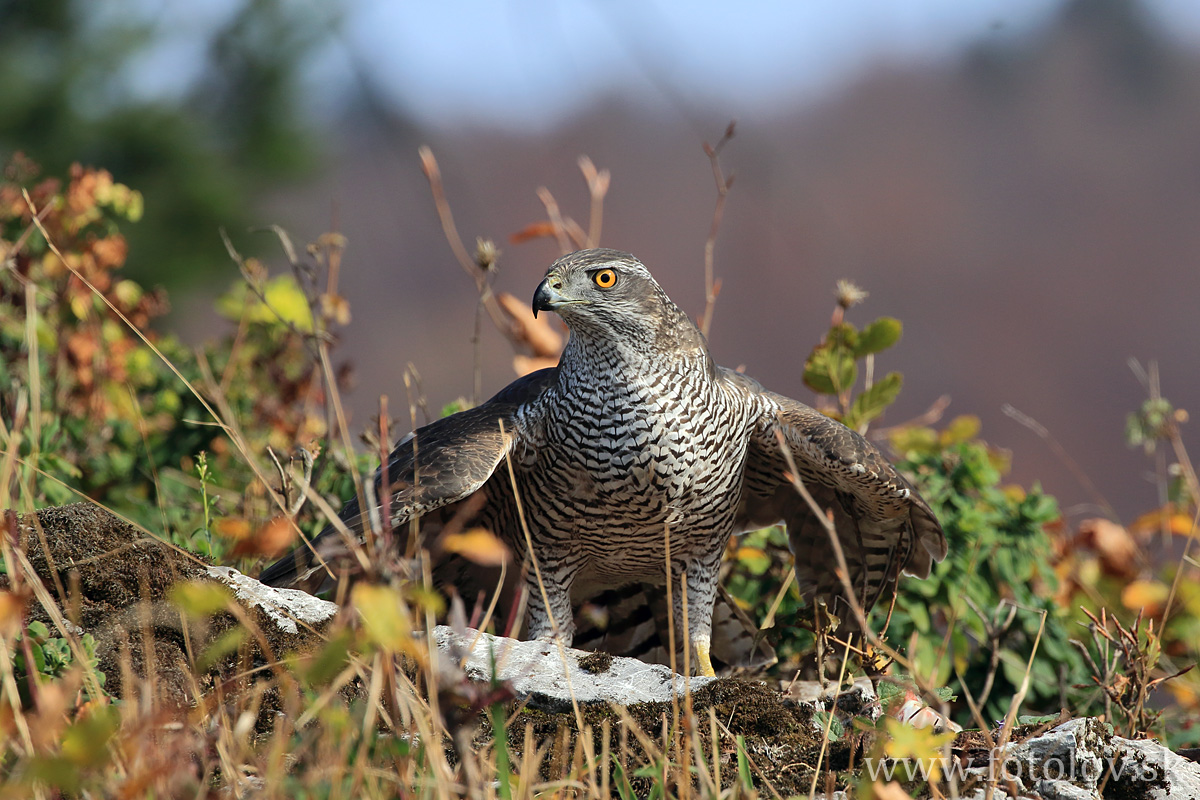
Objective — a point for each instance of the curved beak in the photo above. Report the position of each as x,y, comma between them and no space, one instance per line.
547,296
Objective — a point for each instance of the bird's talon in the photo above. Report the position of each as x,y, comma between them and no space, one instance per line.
705,659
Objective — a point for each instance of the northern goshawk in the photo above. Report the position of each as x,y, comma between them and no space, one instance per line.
637,437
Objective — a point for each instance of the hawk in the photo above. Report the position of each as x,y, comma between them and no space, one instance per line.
638,441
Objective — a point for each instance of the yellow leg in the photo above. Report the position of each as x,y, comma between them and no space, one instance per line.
702,656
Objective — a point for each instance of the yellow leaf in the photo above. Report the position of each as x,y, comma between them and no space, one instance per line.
1182,525
200,598
961,429
1013,493
478,545
750,552
384,615
80,305
914,440
1185,694
425,599
919,744
128,292
1089,571
286,299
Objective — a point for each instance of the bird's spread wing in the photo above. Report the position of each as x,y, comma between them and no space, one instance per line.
437,465
882,524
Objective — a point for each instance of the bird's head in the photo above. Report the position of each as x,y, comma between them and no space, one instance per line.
609,294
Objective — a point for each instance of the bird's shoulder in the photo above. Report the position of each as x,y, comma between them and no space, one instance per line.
525,389
738,382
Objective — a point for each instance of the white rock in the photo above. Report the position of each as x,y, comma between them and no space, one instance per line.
283,606
1075,760
550,676
1166,774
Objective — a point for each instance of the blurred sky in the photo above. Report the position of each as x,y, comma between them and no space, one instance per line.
525,65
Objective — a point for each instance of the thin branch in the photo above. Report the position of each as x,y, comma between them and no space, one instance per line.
597,183
1045,435
926,418
556,220
843,574
477,272
712,287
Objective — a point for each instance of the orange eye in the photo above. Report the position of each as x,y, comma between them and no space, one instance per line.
605,278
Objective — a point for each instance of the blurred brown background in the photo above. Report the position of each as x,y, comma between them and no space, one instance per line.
1020,185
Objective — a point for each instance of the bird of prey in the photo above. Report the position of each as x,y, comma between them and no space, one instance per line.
638,441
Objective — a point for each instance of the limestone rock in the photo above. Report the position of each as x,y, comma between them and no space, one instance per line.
284,607
535,670
1082,760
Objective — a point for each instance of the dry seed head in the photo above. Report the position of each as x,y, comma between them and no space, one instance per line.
849,294
486,254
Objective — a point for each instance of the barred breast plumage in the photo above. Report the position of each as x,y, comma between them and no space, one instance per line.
636,440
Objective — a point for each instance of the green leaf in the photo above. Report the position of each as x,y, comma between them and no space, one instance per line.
328,661
830,370
39,659
962,428
57,655
743,763
888,690
1027,719
501,750
453,407
920,617
873,402
879,335
226,643
842,336
824,719
624,789
86,742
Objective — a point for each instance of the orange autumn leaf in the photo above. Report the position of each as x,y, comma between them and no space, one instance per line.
12,613
477,545
1149,596
536,332
1155,521
110,252
523,365
82,346
536,230
1118,550
271,540
234,528
889,791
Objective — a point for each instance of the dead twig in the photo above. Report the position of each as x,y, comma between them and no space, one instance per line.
597,183
480,268
712,287
1044,434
